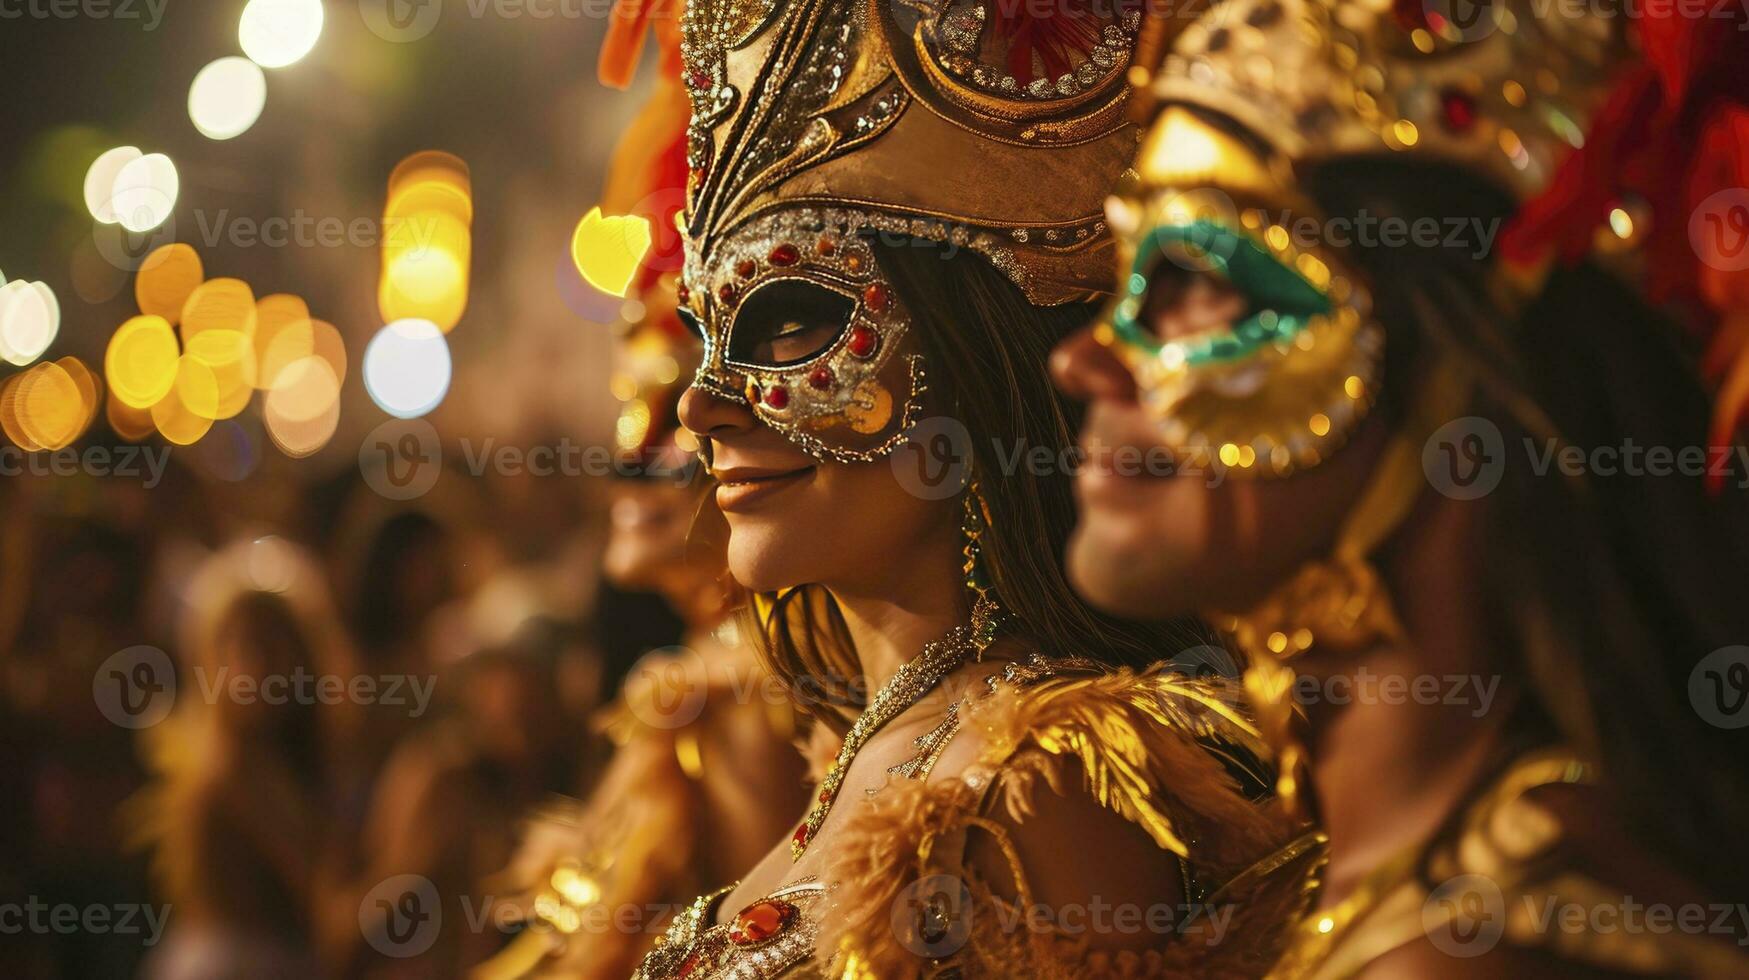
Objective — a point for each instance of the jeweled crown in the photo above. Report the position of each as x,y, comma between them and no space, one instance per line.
1504,87
972,122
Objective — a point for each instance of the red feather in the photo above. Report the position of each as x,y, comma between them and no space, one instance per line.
1050,31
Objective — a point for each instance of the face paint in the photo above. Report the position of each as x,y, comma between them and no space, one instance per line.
1282,384
800,326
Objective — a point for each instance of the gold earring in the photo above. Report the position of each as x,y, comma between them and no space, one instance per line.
986,612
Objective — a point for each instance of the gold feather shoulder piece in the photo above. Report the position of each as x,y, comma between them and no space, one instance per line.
1164,751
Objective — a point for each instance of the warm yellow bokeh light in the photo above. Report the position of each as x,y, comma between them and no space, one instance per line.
219,304
302,411
9,415
226,98
141,361
186,413
129,423
51,411
445,174
231,358
166,279
278,33
608,251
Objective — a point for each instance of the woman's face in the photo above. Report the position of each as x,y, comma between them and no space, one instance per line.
1155,542
795,520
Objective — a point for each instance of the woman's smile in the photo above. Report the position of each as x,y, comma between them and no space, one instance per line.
741,488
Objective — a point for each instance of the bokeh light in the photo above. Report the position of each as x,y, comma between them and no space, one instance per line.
100,182
231,358
145,191
226,98
130,424
219,304
427,241
141,362
302,411
407,368
186,413
30,318
166,279
608,251
278,33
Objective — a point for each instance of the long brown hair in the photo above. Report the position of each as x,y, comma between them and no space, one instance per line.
1605,591
985,348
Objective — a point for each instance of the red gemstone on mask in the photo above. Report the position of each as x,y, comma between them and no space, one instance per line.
777,397
683,294
691,963
758,922
827,245
726,293
745,268
801,836
785,255
876,297
820,377
1459,109
863,341
699,79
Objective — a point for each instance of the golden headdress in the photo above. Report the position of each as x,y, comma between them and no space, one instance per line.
1249,98
818,124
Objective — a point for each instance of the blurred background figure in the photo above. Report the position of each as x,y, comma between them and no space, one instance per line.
246,797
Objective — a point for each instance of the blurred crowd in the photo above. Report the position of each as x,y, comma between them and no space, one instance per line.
223,735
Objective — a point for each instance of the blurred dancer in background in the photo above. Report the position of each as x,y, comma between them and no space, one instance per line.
706,771
243,809
1334,380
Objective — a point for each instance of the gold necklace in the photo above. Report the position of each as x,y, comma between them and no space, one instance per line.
905,688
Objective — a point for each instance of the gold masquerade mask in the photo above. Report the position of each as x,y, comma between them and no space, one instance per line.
821,125
1255,93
